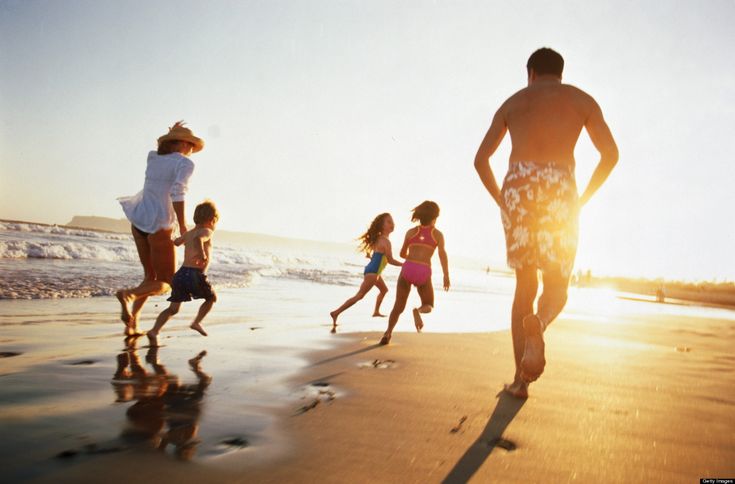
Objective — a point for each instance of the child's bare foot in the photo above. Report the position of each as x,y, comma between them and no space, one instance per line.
385,339
417,320
334,315
198,328
153,339
376,314
533,362
124,299
518,389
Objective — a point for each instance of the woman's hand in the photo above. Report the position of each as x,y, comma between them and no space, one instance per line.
446,282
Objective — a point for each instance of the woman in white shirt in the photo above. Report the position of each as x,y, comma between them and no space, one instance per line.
153,212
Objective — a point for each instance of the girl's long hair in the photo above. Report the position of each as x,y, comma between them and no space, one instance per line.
368,239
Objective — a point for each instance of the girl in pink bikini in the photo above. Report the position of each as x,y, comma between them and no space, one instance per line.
418,248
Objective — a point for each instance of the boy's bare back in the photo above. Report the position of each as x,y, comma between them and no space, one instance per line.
197,247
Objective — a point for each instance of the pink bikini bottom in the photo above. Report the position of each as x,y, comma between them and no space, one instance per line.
416,273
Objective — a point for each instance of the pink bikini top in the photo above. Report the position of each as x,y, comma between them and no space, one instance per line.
424,236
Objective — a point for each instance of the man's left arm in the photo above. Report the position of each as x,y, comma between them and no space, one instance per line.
604,142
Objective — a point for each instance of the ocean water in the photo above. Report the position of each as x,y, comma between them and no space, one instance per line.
49,262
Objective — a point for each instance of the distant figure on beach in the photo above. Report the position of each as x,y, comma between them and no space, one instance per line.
376,246
539,203
190,281
153,213
419,245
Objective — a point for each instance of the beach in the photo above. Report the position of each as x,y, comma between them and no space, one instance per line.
626,397
633,391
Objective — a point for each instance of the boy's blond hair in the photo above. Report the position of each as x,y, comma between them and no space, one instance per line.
205,212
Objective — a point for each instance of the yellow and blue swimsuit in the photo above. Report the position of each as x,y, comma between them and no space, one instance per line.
377,263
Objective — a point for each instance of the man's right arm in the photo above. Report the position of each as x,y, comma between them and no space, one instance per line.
603,140
489,144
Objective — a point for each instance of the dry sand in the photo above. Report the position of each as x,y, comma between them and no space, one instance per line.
641,400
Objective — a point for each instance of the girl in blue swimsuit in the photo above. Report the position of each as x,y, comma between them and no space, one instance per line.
376,246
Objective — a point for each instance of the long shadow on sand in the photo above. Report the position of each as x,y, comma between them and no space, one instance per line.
491,437
345,355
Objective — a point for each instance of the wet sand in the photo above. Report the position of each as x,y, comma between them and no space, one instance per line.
634,399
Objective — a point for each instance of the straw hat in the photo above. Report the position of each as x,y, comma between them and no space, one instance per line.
178,132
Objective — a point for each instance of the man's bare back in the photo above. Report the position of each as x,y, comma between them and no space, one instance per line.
544,121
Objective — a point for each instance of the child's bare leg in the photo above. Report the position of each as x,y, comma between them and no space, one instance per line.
366,285
203,310
426,292
161,320
380,284
402,290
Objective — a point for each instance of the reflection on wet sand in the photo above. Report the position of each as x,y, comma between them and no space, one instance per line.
166,411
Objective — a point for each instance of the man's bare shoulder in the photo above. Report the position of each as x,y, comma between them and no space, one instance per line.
515,97
579,95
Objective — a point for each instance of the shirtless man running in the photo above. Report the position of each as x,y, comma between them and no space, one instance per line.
539,202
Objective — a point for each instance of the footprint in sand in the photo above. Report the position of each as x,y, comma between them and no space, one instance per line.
502,443
683,349
379,364
83,362
9,354
458,427
316,393
232,444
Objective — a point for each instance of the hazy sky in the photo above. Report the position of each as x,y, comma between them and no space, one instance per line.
318,115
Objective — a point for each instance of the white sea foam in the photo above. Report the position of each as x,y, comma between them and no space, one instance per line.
41,261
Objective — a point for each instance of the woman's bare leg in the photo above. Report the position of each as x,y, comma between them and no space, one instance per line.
123,295
159,264
366,285
380,284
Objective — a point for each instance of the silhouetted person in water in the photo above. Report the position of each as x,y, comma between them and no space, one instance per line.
539,203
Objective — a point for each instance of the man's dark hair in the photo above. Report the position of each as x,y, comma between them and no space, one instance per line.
545,61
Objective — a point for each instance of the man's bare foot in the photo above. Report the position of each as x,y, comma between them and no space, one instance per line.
124,299
533,362
153,338
385,339
198,328
376,314
518,389
417,321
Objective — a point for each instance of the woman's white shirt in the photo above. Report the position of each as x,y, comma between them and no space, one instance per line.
166,181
